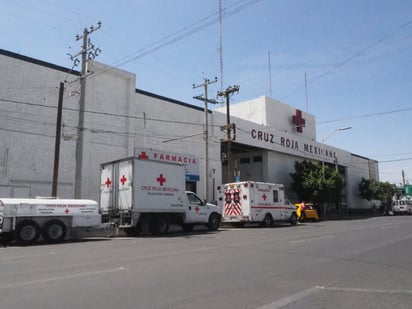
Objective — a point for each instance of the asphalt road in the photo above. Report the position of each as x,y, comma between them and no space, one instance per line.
334,264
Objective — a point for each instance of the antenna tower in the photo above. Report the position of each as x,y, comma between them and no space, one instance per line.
220,45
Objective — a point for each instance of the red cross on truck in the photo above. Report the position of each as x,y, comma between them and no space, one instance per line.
161,180
123,180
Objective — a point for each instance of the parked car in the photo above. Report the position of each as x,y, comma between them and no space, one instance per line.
306,212
402,207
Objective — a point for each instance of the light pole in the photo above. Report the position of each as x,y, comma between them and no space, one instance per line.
323,147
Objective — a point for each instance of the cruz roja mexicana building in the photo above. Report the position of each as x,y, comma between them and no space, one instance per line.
267,139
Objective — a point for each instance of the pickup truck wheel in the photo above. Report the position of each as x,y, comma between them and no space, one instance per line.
267,221
159,225
213,222
294,219
27,232
187,228
54,231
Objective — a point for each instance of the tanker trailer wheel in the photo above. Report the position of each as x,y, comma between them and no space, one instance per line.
54,231
27,232
213,222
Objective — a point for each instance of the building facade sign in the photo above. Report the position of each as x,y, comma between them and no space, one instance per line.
291,143
190,162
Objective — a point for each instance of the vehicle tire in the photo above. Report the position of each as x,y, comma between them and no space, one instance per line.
187,228
159,225
267,221
294,219
133,231
54,231
27,232
213,222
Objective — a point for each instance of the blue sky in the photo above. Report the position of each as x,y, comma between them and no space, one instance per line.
356,55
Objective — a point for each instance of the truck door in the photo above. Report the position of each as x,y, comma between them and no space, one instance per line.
106,187
125,184
198,209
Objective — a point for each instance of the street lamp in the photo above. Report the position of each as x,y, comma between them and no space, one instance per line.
323,147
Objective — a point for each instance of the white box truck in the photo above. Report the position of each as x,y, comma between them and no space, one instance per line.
26,220
141,194
255,202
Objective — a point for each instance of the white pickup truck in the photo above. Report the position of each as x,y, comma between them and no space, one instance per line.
141,194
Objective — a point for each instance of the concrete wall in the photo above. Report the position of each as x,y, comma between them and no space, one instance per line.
28,109
119,118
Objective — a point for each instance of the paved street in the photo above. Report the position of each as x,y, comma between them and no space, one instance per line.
364,263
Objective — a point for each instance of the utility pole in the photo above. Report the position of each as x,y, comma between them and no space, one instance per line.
88,52
57,141
227,94
205,84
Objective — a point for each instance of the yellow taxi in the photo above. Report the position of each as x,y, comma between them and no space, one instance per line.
306,212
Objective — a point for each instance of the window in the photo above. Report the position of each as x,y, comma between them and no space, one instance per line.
194,199
275,196
244,160
257,159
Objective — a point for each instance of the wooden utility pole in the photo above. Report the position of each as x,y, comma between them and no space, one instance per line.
227,94
57,141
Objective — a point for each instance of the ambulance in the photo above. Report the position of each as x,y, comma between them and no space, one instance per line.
255,202
142,195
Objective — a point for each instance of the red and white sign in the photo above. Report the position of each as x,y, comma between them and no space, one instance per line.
190,162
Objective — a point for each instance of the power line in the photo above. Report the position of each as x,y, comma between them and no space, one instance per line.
182,33
367,115
351,57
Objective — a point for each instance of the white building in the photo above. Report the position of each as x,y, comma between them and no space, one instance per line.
121,121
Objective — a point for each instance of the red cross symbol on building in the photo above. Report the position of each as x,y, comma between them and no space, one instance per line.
108,182
264,196
67,211
143,155
161,179
123,180
299,121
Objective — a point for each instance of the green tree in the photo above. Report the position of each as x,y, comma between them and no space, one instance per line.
317,183
370,189
304,180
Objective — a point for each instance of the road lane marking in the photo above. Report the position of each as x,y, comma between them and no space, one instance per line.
389,226
316,289
311,239
60,278
361,290
291,298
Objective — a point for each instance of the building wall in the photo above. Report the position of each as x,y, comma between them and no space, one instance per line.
28,109
272,114
119,118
